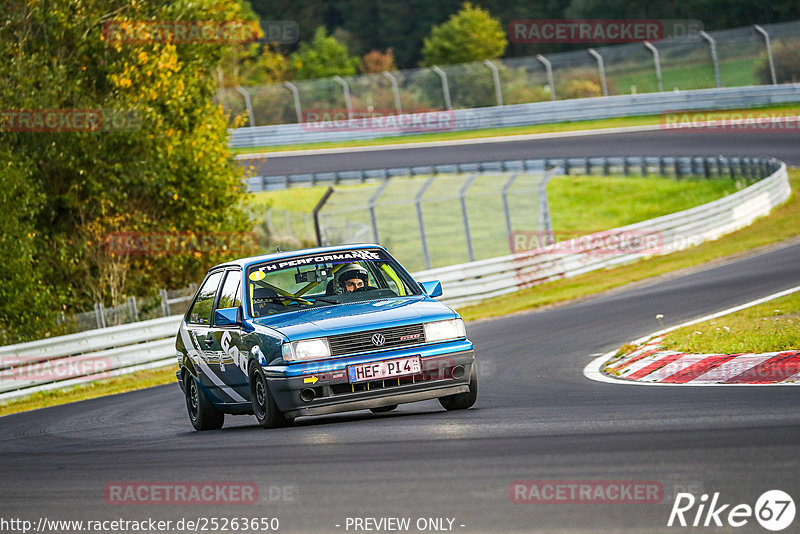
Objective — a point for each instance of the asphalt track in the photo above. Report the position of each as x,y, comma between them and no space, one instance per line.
781,145
537,418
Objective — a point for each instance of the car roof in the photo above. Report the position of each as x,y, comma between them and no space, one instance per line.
245,262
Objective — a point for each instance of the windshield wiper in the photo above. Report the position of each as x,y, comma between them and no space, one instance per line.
329,301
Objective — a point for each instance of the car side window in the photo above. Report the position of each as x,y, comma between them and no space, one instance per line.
229,296
201,310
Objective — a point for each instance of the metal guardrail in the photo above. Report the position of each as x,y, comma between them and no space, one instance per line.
68,360
535,113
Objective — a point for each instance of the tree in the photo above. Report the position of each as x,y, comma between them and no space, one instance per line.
469,35
377,61
324,56
161,165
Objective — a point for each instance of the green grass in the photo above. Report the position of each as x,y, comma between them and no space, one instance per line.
782,224
769,327
734,72
492,132
91,390
579,205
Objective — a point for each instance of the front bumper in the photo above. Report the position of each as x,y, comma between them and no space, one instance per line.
329,391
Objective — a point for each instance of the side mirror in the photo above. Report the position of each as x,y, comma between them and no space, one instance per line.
228,317
433,288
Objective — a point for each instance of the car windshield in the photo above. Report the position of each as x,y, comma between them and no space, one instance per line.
299,282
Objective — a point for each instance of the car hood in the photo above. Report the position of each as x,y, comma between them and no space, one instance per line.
356,316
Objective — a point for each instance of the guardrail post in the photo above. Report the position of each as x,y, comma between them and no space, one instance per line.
600,68
445,86
346,90
462,193
395,91
498,93
99,314
657,64
764,33
296,97
504,193
549,72
678,172
250,116
643,167
421,221
315,214
371,205
713,46
545,222
164,302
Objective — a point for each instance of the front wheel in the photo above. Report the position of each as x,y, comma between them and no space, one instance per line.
264,408
462,401
202,414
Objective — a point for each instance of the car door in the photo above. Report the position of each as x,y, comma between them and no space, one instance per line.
199,326
225,340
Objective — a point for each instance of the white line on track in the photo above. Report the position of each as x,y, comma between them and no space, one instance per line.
593,370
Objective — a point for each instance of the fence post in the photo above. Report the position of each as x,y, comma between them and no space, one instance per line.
549,71
346,90
504,193
372,201
99,315
657,63
395,91
545,222
132,308
601,69
164,302
763,32
713,46
315,214
462,193
445,86
498,93
296,97
250,116
421,221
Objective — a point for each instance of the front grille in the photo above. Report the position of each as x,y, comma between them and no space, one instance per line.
398,336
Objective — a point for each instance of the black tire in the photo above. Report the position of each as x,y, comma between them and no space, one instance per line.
264,408
202,414
383,409
462,401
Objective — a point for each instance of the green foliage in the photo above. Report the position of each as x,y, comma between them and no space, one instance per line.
324,56
469,35
786,58
167,169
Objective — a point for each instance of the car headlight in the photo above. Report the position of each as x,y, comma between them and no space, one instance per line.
443,330
307,349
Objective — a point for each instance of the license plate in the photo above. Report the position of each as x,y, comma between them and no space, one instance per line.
365,372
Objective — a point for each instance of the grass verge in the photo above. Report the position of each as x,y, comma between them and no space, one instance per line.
618,122
769,327
91,390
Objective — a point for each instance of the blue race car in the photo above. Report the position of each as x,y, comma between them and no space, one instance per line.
319,331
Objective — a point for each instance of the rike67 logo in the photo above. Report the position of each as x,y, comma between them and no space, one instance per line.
774,510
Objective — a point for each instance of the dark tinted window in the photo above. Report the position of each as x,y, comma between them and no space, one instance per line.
229,296
201,311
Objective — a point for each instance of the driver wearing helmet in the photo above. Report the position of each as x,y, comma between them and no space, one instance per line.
352,277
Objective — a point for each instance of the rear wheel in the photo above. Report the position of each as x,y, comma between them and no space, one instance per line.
202,414
462,401
383,409
264,407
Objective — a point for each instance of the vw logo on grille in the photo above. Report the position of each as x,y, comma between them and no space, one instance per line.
378,339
